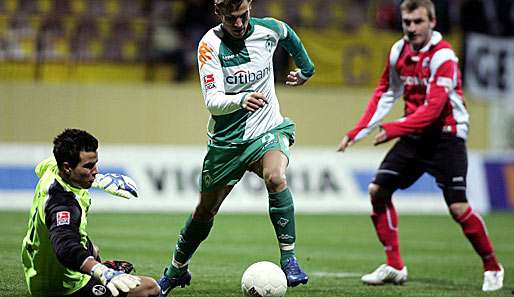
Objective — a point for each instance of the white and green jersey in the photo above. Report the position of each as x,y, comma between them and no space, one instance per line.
231,68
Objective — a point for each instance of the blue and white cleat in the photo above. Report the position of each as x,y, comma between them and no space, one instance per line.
167,284
294,274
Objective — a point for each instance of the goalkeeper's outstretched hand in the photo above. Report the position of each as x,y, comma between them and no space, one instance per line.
115,281
116,184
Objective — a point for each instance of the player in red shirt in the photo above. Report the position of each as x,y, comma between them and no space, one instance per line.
423,68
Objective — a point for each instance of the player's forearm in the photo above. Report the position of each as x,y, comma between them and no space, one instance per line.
88,264
293,45
67,248
378,107
385,95
415,123
220,103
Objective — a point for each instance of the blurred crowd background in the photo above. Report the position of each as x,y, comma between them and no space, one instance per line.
167,31
89,57
126,71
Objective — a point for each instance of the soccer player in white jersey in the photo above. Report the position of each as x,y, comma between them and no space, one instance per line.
246,130
422,68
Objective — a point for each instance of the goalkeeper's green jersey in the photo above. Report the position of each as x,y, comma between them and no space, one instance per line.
232,68
56,243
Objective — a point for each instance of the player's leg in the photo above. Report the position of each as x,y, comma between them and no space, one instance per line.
451,170
268,157
281,207
272,168
194,232
147,288
475,230
385,221
198,226
399,169
281,212
222,168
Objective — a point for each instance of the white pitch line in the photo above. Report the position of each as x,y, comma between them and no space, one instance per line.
335,274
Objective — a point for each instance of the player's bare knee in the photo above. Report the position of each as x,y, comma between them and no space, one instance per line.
275,181
147,288
376,192
458,209
378,195
373,189
153,288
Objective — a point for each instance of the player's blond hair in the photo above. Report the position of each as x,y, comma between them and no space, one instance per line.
411,5
225,7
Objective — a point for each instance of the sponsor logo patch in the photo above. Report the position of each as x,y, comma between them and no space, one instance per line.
285,237
63,218
242,77
282,222
98,290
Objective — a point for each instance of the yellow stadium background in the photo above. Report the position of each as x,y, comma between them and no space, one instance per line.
117,103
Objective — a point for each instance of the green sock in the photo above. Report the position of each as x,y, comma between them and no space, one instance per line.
193,233
281,211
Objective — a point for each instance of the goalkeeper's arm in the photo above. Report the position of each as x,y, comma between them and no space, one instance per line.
116,184
115,281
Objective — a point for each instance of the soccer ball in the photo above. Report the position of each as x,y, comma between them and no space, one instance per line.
264,279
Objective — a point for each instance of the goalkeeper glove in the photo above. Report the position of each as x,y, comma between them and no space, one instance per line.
115,281
116,184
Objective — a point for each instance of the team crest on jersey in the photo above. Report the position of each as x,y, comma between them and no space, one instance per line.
204,53
208,81
269,43
63,218
207,180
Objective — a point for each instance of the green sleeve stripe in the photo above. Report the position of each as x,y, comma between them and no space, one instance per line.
271,24
295,48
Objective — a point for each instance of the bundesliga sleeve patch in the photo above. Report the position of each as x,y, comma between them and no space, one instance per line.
63,218
208,81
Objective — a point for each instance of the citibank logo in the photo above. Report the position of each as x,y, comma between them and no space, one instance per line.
246,76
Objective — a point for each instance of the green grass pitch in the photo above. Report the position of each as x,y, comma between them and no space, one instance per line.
335,249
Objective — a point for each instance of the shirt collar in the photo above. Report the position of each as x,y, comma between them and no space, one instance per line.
249,31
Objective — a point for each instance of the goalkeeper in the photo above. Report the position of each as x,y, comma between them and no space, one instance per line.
58,257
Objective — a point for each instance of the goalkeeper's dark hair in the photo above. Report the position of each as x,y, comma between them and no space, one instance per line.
69,144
